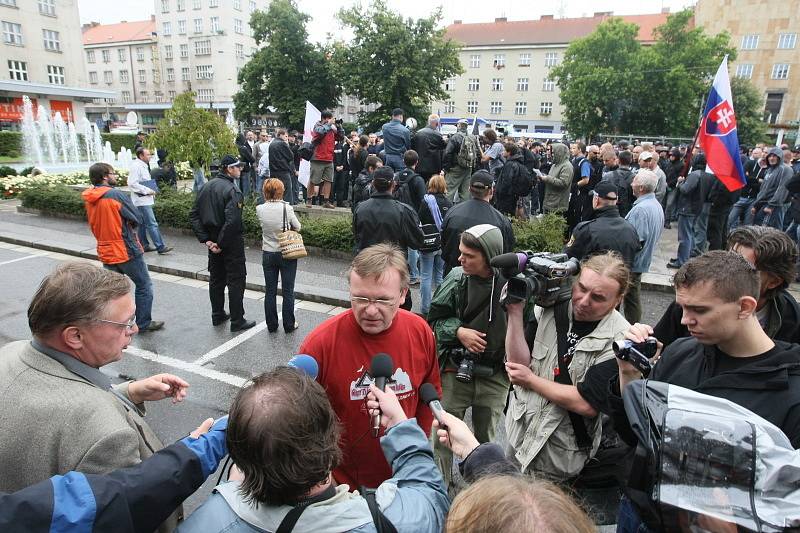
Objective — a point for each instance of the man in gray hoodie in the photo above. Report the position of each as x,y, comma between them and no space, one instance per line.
770,204
557,182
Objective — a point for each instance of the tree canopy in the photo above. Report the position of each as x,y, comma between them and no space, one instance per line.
287,70
749,106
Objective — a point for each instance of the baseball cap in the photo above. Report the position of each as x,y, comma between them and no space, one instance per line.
462,121
481,180
230,161
647,156
606,190
384,174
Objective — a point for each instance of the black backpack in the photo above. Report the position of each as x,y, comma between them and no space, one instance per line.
402,193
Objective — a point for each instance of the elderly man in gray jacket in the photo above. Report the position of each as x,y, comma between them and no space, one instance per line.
58,411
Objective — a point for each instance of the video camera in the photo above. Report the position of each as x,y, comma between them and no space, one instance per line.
544,276
637,354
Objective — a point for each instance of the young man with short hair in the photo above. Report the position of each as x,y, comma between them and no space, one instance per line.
324,137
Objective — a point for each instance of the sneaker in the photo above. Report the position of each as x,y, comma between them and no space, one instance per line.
149,249
673,264
328,205
243,325
165,250
289,330
154,325
220,320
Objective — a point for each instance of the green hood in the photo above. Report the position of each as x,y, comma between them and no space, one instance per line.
560,153
490,237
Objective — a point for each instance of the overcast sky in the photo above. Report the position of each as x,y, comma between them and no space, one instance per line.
323,11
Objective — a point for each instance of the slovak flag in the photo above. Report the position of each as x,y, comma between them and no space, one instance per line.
718,135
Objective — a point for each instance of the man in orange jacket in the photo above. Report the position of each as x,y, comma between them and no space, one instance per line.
113,220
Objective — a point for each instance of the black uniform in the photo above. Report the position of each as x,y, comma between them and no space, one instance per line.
606,230
429,145
217,217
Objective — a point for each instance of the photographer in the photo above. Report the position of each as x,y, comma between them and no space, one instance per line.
728,355
470,326
324,136
552,429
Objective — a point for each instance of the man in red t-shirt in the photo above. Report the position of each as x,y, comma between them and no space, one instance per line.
344,346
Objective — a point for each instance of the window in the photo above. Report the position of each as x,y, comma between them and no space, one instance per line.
184,50
17,70
546,108
525,60
202,48
156,76
744,71
180,5
497,84
499,61
205,95
787,40
52,41
93,78
11,3
123,76
749,42
252,5
237,4
780,71
122,53
90,56
472,107
214,24
475,61
495,108
108,77
240,50
170,74
47,7
450,107
550,59
772,109
181,27
548,85
158,96
450,84
139,53
106,56
142,76
204,72
12,33
185,73
213,3
165,6
143,96
167,28
522,84
126,96
171,95
168,51
474,84
55,75
520,108
237,26
196,4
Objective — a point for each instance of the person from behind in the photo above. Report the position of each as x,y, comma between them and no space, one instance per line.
396,140
277,216
430,145
513,182
435,206
362,186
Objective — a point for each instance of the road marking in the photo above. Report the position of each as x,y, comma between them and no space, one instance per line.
22,259
234,342
179,364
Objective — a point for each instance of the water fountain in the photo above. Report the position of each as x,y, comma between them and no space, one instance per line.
231,122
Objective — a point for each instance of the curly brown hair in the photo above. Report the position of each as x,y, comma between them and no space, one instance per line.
775,251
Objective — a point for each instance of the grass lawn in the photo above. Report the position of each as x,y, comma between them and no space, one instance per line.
4,159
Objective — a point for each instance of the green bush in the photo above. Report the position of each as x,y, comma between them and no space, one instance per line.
26,171
7,171
10,143
57,199
118,140
544,234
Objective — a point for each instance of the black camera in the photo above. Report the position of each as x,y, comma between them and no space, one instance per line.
339,121
637,353
466,365
544,276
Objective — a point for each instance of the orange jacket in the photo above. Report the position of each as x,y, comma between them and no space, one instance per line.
113,220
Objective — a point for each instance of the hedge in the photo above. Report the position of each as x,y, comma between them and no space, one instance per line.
330,233
11,142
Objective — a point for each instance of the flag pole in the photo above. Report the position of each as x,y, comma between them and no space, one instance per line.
687,160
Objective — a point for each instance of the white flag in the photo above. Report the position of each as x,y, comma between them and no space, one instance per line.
313,115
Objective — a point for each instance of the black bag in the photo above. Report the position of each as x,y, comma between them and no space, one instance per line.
403,194
306,151
431,238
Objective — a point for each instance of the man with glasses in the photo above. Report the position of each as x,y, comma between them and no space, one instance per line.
113,220
345,345
59,411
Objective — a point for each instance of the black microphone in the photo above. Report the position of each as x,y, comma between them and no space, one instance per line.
512,263
381,370
429,396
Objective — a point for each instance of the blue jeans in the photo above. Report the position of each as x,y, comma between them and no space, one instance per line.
628,519
741,211
700,240
413,268
685,237
793,231
244,181
136,270
199,179
149,225
670,205
432,271
395,161
260,187
274,264
773,220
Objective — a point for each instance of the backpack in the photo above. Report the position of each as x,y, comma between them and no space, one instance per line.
306,151
362,188
523,181
402,193
468,152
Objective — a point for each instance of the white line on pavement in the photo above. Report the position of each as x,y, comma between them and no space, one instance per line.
21,259
234,342
179,364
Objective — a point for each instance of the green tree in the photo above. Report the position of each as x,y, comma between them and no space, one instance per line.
192,134
287,70
394,62
749,107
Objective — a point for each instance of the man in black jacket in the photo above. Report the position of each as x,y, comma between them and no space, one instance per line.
217,222
281,164
429,144
606,230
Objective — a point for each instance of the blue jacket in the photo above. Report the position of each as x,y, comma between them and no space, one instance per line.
396,138
414,499
647,218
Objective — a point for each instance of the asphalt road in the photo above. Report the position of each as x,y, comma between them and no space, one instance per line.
212,359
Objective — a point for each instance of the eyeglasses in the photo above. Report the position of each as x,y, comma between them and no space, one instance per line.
129,325
361,301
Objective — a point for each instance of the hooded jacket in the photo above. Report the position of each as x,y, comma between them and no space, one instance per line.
773,190
558,181
113,220
513,176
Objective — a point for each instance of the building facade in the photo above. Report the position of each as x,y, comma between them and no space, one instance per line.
506,79
41,57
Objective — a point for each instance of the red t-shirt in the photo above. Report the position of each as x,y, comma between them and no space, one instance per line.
344,354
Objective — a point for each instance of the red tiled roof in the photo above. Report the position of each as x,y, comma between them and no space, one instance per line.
139,30
545,30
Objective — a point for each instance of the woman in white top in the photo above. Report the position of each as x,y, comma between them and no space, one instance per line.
271,216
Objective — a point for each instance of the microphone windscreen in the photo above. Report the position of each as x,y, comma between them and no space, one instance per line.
515,261
382,366
307,364
428,393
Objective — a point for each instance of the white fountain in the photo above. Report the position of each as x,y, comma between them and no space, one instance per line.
231,122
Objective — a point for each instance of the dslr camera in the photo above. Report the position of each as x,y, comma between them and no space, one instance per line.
466,366
637,353
547,277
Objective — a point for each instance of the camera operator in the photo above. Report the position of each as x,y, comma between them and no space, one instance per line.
728,355
552,429
470,326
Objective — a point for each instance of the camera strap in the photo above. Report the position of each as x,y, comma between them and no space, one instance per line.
561,311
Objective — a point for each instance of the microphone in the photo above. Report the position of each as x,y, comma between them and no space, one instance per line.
306,364
429,396
511,263
381,370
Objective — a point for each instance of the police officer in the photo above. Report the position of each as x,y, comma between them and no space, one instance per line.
605,230
217,222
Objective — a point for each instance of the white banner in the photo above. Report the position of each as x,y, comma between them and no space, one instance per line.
313,115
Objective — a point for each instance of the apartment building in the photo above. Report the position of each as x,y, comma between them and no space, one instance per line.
41,57
765,34
506,79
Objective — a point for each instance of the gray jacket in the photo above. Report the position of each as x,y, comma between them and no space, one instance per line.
773,191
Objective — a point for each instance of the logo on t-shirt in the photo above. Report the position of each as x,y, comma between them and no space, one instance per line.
400,383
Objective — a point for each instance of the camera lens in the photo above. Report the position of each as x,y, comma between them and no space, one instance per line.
465,369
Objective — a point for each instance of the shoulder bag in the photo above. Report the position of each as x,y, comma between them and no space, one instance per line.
290,241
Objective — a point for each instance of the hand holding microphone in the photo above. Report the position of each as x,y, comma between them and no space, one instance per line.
455,434
381,370
386,406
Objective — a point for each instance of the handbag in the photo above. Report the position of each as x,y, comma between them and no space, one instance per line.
431,233
290,241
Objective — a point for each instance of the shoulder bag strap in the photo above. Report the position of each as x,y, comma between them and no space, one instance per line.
290,520
562,328
285,226
382,524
